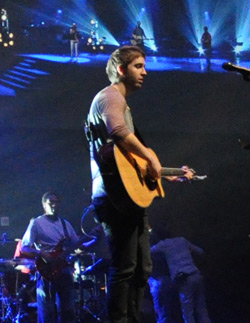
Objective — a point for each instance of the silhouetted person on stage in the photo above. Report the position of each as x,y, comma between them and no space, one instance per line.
138,36
74,41
183,277
206,43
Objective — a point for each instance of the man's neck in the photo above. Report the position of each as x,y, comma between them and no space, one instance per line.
51,216
122,89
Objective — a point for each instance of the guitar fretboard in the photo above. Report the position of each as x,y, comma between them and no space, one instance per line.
172,171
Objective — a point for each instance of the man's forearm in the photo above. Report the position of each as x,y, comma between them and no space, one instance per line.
30,252
132,144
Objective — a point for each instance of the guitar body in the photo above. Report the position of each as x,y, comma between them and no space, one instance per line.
136,40
113,182
51,270
127,180
129,191
133,172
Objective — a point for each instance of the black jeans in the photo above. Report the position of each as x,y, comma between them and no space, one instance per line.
131,265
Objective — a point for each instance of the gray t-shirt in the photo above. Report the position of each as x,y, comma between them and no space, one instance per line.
111,107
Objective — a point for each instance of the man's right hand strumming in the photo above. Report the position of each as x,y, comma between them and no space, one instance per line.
154,166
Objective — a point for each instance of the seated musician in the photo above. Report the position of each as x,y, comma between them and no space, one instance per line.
49,238
138,36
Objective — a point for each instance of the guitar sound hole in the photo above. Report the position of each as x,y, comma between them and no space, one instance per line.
151,183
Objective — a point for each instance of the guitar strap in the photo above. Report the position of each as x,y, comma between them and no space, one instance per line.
66,234
138,135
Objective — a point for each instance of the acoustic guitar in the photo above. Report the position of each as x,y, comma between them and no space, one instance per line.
135,177
138,40
127,180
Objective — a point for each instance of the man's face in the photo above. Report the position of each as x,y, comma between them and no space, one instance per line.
51,205
134,74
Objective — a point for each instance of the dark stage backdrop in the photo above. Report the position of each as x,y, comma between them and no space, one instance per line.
187,118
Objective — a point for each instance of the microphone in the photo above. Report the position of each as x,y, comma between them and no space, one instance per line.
4,238
235,68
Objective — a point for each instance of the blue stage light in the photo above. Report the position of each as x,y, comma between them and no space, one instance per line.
206,13
88,21
138,11
237,49
242,25
201,51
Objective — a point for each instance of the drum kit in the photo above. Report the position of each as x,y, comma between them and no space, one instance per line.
18,289
15,276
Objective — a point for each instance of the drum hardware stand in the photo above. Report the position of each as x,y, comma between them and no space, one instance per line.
94,306
6,310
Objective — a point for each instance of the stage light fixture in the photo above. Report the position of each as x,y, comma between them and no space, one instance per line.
4,16
154,48
95,40
201,51
237,50
6,37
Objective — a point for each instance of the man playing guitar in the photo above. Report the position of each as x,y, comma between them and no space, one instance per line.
48,239
110,121
138,36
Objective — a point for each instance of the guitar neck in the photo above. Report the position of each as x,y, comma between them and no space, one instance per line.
166,171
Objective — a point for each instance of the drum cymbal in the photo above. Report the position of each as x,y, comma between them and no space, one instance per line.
24,262
3,241
7,262
17,262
